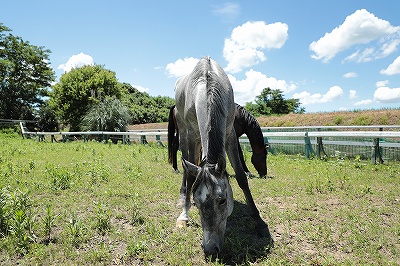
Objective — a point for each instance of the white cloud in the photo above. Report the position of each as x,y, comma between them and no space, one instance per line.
352,94
228,11
361,27
247,89
307,98
244,48
76,61
387,95
389,47
361,57
181,67
382,83
350,75
363,102
140,88
393,68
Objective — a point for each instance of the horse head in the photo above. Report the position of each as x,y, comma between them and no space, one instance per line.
259,160
213,197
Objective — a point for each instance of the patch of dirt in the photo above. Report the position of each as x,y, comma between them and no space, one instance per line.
148,126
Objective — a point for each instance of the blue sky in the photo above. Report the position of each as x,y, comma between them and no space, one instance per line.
332,55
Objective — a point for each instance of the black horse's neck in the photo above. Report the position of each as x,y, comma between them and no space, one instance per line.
245,123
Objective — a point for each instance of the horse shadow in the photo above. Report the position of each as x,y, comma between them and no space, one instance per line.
242,243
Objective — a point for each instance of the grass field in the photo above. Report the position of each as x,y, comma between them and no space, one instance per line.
90,203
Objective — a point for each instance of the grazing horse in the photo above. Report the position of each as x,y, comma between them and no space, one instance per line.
205,116
244,123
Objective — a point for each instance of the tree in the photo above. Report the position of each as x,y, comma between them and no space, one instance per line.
47,119
145,108
25,76
80,89
272,102
108,115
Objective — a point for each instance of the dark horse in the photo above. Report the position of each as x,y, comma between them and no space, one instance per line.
244,123
205,115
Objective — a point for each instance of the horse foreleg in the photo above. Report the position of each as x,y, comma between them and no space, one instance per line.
246,170
186,188
233,155
184,200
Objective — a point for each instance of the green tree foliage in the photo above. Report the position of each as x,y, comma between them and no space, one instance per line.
272,102
47,119
25,76
108,115
145,108
80,89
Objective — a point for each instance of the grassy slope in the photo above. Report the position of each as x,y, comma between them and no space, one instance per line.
354,118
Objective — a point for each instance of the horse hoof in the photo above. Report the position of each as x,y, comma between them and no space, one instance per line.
181,223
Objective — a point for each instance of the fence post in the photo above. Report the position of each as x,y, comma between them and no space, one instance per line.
308,145
320,146
376,151
143,139
125,139
105,138
158,139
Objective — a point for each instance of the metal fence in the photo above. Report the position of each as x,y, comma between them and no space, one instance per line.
378,142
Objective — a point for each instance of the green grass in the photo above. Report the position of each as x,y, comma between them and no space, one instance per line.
103,204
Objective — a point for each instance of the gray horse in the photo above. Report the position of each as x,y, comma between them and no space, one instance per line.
205,117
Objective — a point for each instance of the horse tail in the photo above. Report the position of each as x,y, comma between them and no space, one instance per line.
173,141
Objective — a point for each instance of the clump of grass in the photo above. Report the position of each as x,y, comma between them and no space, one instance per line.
60,177
48,221
137,249
338,120
136,217
16,220
362,120
103,223
76,230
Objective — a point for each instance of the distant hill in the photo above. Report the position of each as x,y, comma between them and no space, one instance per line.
350,118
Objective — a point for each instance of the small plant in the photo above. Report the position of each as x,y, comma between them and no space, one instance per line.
137,218
75,228
4,213
19,229
102,255
60,178
103,223
366,190
136,249
338,120
48,222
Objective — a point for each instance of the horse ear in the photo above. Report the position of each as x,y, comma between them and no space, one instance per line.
190,167
221,164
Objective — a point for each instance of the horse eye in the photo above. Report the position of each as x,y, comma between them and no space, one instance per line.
222,201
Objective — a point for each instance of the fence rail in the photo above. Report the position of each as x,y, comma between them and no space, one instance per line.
309,140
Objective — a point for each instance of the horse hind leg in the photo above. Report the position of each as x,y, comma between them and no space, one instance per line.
241,178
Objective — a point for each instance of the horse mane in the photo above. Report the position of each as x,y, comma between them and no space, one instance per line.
250,127
217,110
